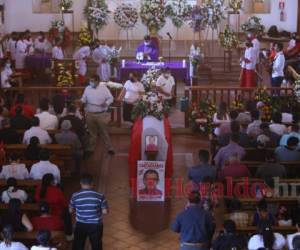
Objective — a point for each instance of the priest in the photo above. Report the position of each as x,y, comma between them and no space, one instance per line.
147,51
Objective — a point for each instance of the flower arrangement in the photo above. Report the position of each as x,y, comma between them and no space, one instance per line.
238,104
150,77
213,11
236,5
59,30
126,16
112,85
64,76
254,25
228,39
114,56
85,37
201,116
97,13
153,14
66,5
178,11
150,105
297,89
196,18
195,58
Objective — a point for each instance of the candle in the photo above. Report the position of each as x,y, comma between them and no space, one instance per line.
183,63
123,63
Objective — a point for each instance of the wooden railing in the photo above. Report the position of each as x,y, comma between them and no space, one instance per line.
225,94
34,94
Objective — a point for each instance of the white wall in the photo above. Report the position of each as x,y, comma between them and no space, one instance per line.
19,17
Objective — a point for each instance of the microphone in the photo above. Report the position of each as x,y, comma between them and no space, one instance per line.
169,35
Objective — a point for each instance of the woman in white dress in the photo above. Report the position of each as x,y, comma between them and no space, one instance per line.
21,53
131,93
7,243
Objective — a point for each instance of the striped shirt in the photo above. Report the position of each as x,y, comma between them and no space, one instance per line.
88,205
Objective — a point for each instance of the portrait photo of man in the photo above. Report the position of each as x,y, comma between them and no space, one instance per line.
151,181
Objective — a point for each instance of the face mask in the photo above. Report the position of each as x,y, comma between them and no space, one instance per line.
166,75
92,84
132,79
249,35
8,65
146,43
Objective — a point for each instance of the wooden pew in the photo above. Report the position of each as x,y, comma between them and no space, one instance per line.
28,207
278,229
22,183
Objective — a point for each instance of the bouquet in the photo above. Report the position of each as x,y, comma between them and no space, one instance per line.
64,76
59,30
153,14
112,85
201,116
178,11
297,89
150,77
114,56
228,39
213,13
126,16
196,18
85,37
254,25
66,5
235,5
150,105
97,13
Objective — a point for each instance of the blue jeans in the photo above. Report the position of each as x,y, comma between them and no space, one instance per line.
185,247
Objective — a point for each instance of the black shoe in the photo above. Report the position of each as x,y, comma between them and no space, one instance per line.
111,152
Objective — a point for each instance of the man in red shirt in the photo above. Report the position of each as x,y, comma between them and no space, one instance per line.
46,221
28,110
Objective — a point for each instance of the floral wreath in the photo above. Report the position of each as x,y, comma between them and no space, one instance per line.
153,14
126,16
150,105
196,18
236,5
228,39
178,11
213,13
254,25
97,13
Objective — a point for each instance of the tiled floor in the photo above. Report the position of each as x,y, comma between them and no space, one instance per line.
132,225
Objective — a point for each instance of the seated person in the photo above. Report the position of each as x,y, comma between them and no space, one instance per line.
225,152
233,168
290,152
286,116
222,117
294,133
273,137
16,217
28,110
253,129
291,237
13,192
283,217
240,218
295,243
147,51
47,120
44,166
276,126
198,173
33,150
53,195
271,168
20,121
15,169
46,220
8,135
245,117
266,239
43,239
229,238
8,243
262,215
36,131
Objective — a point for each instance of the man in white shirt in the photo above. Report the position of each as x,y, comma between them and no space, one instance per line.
35,130
97,99
44,166
15,169
47,120
165,85
278,66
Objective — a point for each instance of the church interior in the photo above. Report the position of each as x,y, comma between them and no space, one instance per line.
149,124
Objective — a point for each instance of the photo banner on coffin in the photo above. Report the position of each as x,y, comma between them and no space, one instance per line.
151,181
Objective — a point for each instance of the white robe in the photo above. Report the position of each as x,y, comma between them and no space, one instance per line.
5,74
250,54
21,52
101,54
256,47
80,56
11,47
57,53
42,46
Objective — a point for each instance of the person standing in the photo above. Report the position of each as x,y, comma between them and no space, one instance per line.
97,98
278,66
6,74
147,50
256,46
165,86
130,94
89,207
57,52
21,53
100,56
195,226
248,67
81,56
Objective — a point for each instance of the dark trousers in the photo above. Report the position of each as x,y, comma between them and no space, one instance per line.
127,110
276,83
92,231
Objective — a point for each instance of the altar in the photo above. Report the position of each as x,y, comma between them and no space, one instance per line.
179,69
